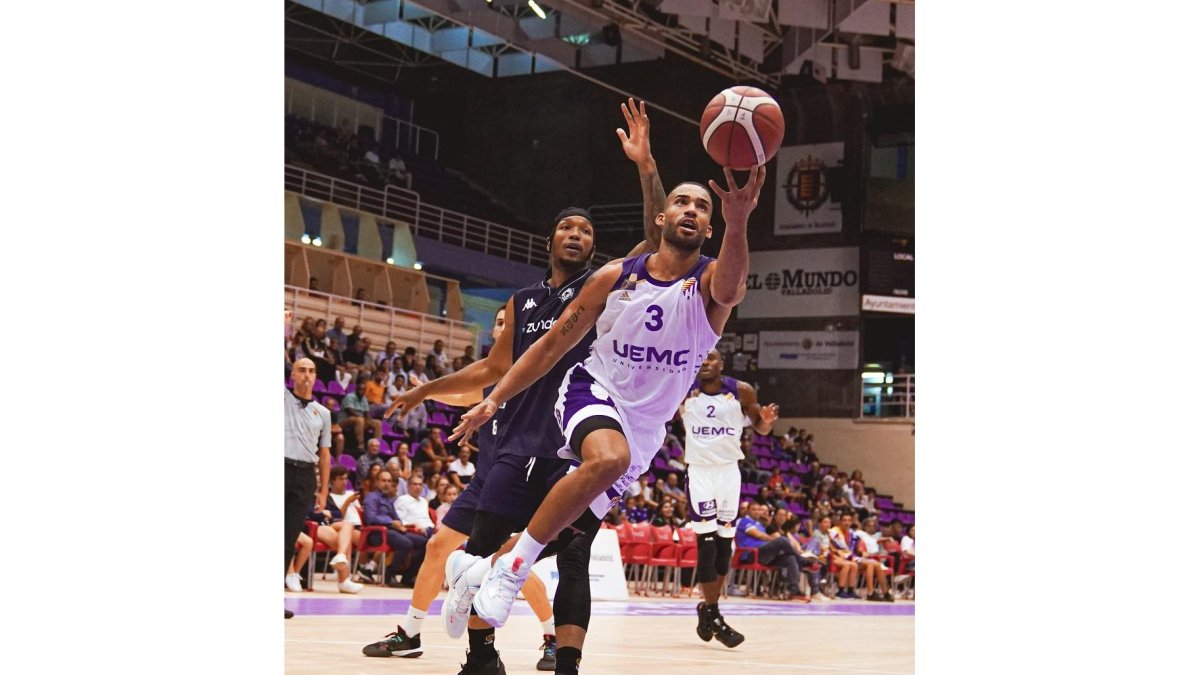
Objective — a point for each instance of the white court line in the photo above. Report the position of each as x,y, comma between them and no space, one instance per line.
626,655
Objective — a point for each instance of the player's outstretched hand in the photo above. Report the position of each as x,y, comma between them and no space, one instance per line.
404,403
636,143
738,202
473,419
769,413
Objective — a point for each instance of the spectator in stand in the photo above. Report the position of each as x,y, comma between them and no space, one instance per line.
399,466
468,355
818,547
434,448
821,505
776,479
616,516
455,365
352,339
838,497
414,510
316,349
379,509
369,458
334,532
842,554
667,515
354,415
398,173
388,354
439,355
808,454
448,498
813,476
908,544
432,471
778,518
336,337
809,561
872,568
858,500
409,359
357,355
375,390
461,469
868,500
635,510
672,488
645,490
772,548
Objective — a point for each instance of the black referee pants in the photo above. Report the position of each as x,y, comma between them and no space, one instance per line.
299,496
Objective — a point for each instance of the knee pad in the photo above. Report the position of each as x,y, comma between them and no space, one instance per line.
706,557
489,532
573,599
724,553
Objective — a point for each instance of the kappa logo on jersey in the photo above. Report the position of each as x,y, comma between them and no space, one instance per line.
689,288
567,294
708,508
529,304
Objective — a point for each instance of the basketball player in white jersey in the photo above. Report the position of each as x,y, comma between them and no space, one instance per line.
713,417
656,317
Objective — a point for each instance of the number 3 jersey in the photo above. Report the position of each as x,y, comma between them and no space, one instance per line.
713,423
650,341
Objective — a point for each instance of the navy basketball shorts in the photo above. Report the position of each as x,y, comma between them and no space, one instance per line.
461,515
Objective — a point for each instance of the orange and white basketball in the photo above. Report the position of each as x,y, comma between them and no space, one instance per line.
742,127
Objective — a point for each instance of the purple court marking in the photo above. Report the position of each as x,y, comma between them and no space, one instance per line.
397,607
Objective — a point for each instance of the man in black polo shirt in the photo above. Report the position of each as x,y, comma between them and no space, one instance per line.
306,440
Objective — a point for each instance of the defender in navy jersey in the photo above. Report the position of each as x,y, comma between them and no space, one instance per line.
656,316
713,416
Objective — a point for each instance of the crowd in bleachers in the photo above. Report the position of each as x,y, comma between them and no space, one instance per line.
343,153
840,533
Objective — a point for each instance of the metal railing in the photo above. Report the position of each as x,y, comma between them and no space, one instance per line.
895,397
325,107
426,220
429,327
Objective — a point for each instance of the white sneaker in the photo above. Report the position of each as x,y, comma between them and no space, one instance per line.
292,582
338,561
464,573
499,590
349,586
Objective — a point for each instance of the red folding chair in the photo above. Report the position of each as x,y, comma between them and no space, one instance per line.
636,552
664,555
752,568
371,549
689,554
318,547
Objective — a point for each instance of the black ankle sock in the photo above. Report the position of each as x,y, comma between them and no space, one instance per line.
482,643
567,660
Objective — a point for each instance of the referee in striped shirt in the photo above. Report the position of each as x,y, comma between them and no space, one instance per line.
306,440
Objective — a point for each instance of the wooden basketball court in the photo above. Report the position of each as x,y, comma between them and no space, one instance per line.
651,636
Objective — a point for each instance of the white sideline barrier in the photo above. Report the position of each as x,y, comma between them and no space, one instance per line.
606,570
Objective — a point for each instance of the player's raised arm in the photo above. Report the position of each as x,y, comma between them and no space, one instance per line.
728,285
636,145
762,417
469,381
567,331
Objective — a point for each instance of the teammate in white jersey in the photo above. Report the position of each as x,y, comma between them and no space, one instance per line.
713,417
656,317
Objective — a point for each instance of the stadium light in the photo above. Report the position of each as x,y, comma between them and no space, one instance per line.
391,261
537,9
305,239
316,241
417,265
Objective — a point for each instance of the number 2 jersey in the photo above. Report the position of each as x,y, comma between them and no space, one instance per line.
713,425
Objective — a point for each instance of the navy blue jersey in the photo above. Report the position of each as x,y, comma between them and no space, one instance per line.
527,425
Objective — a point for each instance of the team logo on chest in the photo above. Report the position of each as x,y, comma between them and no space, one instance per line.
689,288
567,295
529,304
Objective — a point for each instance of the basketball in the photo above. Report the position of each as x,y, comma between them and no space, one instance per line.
742,127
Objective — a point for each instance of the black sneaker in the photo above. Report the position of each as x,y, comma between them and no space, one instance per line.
549,649
287,613
491,667
704,629
398,643
875,597
847,594
366,575
888,597
724,634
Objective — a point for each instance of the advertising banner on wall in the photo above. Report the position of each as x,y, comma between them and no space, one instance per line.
808,350
803,202
801,283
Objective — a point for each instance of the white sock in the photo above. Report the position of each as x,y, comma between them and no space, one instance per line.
413,621
548,626
528,548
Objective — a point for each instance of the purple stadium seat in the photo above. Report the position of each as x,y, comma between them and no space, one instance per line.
348,462
289,384
335,388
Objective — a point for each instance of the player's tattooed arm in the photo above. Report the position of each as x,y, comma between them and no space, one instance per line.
636,145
